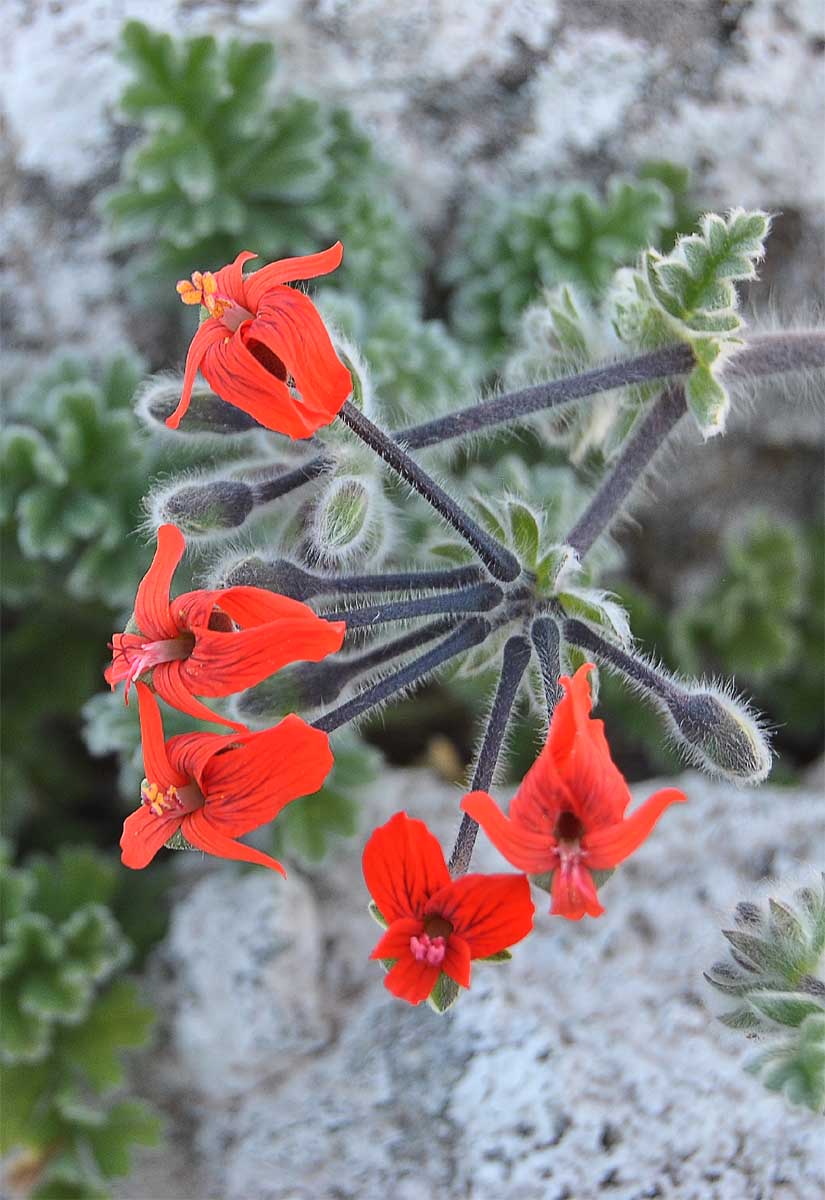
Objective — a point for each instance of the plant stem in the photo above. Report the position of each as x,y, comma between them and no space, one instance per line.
470,633
514,663
480,598
639,672
545,635
661,418
289,579
497,558
515,406
272,489
779,353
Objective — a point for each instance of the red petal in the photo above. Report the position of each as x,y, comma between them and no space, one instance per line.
198,829
192,609
456,962
223,663
490,912
248,786
308,266
143,835
230,279
411,980
236,376
608,847
152,611
403,865
574,894
210,334
571,713
396,941
170,684
289,325
525,848
156,765
256,606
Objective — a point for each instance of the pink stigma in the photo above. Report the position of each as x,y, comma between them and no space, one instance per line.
427,949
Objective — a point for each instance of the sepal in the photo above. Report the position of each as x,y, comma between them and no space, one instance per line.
444,995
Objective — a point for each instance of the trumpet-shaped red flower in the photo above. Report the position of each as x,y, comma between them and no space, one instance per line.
260,334
212,643
435,923
568,816
215,787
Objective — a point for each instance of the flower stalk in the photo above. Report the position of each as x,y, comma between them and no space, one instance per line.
480,598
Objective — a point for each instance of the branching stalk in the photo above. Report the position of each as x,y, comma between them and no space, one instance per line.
514,663
480,598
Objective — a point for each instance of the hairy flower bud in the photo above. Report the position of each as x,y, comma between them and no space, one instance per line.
211,507
207,414
718,733
348,521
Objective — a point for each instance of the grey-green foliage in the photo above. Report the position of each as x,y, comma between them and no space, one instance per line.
774,990
690,295
68,1014
510,247
74,469
222,167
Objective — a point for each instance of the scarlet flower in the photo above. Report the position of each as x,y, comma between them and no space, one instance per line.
258,335
212,643
436,923
214,787
568,815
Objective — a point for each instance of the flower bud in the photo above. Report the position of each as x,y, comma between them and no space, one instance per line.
717,733
278,575
206,415
201,509
349,519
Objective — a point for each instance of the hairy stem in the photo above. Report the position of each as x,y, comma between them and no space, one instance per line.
288,481
637,454
288,579
480,598
470,633
635,669
514,663
779,353
497,558
545,635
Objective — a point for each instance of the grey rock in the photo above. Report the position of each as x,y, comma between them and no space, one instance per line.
587,1066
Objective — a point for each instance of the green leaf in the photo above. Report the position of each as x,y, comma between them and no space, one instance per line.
786,1008
127,1123
76,876
708,400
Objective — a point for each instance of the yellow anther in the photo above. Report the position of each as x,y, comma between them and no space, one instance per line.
203,289
158,801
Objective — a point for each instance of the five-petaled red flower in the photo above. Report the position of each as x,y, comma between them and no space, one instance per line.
568,815
214,787
212,643
258,336
436,923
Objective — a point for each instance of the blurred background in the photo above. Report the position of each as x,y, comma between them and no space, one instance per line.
469,154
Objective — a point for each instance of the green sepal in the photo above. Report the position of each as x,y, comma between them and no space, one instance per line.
375,913
178,842
500,957
444,994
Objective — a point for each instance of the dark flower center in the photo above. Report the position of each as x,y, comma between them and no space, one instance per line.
436,926
269,361
568,828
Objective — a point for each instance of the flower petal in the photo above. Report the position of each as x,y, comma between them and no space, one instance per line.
236,376
456,962
307,266
143,835
156,765
199,830
289,325
210,334
253,781
490,912
574,894
525,848
256,606
170,684
230,279
412,980
403,865
223,663
152,611
608,847
395,942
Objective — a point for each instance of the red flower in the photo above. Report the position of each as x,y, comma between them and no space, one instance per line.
258,335
215,787
212,643
568,815
436,923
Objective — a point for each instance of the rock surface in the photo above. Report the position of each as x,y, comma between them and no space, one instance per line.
588,1066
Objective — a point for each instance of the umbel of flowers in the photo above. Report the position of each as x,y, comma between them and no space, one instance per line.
521,602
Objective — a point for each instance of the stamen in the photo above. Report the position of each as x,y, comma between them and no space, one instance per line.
427,949
159,801
203,289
